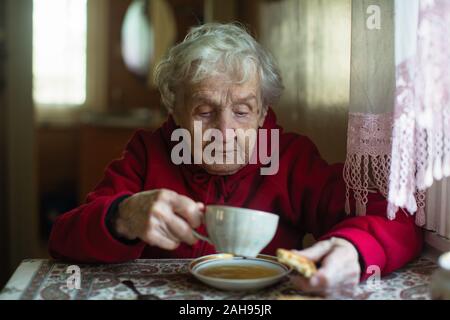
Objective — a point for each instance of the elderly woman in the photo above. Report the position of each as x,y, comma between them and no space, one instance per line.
148,203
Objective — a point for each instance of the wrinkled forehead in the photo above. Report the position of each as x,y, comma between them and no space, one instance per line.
219,87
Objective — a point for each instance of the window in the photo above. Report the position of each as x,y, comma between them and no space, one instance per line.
438,215
59,52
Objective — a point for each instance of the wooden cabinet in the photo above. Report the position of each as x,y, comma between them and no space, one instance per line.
99,145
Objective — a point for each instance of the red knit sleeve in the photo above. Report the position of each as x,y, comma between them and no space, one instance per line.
321,190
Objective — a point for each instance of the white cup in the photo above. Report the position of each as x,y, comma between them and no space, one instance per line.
440,281
239,231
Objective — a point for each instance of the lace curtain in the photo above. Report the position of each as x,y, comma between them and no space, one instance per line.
399,120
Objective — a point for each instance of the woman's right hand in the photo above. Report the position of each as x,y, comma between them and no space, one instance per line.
161,218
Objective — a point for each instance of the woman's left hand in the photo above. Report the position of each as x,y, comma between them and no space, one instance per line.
340,267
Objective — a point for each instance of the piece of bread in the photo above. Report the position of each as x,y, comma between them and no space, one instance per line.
303,265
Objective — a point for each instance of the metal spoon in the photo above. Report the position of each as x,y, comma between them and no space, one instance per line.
201,237
141,296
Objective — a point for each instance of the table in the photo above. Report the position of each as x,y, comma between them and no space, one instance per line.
39,279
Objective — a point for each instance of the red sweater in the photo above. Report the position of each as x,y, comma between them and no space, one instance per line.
307,193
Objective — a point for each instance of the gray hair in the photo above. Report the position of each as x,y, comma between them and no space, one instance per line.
213,49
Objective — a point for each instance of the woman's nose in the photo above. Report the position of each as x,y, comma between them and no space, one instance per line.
226,125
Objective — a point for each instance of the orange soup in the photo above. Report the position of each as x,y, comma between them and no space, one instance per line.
239,272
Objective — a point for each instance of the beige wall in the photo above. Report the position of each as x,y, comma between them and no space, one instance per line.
219,10
245,12
311,40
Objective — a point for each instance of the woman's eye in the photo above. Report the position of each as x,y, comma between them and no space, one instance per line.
241,114
241,111
204,112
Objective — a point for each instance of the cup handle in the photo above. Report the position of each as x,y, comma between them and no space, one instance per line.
199,236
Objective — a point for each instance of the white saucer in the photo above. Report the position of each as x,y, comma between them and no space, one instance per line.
223,259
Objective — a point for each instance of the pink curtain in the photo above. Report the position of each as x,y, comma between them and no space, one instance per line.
421,134
399,121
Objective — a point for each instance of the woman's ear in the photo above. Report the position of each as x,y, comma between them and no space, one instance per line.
178,105
262,118
174,116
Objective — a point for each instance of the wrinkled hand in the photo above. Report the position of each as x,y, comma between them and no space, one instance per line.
161,218
340,267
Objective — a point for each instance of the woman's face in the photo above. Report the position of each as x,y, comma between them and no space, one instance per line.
218,103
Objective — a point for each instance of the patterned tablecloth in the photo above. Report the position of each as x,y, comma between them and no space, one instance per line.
170,279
